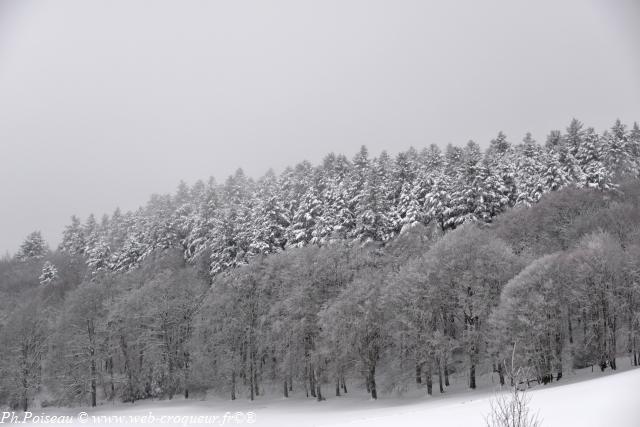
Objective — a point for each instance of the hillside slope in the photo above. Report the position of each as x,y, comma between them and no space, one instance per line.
606,400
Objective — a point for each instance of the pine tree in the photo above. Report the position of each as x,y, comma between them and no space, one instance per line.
554,139
555,176
590,157
134,248
99,257
453,158
499,145
409,211
117,231
574,137
374,202
307,225
33,248
404,175
49,274
528,172
570,165
269,221
159,228
438,202
184,207
361,165
501,159
73,238
91,233
299,195
617,152
487,195
203,222
431,159
231,234
634,148
466,189
413,198
337,220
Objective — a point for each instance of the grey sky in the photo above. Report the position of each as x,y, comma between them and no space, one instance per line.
104,102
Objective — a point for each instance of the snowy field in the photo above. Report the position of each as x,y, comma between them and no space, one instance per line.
585,400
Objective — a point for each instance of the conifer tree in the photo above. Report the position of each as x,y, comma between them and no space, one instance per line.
73,238
617,152
33,248
269,221
529,172
49,274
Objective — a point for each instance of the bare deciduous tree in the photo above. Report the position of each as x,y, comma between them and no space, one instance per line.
512,409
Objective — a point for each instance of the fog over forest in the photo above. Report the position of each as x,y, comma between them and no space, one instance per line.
370,273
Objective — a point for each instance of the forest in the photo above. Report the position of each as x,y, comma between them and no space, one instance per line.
370,274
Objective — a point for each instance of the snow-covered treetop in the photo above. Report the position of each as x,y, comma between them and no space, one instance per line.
365,199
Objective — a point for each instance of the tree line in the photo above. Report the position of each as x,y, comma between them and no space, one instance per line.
362,199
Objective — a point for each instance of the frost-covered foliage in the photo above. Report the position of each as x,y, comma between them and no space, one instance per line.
560,278
33,248
367,199
49,273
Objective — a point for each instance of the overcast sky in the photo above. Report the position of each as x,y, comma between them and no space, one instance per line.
104,102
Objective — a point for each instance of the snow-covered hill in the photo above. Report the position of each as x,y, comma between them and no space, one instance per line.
606,400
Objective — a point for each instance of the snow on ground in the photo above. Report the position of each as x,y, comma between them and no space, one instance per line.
585,400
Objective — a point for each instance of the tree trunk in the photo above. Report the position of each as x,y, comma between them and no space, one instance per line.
440,385
446,374
251,380
306,388
318,384
93,383
312,384
372,382
233,385
570,328
472,376
613,346
418,373
127,370
429,380
186,374
25,398
112,387
338,386
285,389
25,381
92,355
256,382
501,373
344,385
